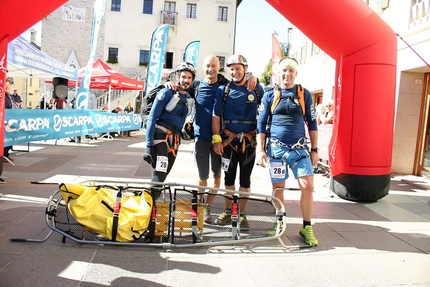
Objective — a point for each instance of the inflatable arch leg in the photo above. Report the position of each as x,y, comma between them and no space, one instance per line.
365,50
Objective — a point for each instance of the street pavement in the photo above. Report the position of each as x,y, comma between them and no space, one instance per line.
385,243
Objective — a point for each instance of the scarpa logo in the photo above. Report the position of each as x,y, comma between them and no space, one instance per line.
71,121
81,102
158,48
137,119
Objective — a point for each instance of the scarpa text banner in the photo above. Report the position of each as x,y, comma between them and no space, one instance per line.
22,126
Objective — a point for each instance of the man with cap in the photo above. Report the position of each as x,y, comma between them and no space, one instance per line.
234,128
287,143
165,122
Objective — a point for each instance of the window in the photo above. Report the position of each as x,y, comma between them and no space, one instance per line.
143,57
115,5
147,6
222,13
191,11
221,63
303,51
168,62
113,55
168,15
315,49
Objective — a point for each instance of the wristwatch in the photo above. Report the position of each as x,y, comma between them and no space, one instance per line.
314,149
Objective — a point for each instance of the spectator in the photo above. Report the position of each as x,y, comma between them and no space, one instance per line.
9,104
117,110
17,98
329,114
128,109
320,113
60,104
50,105
42,104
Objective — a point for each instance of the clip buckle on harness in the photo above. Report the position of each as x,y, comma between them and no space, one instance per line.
300,144
249,136
173,144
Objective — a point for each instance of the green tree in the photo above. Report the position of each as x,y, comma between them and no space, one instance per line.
267,74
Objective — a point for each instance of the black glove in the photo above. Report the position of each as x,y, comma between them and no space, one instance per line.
149,155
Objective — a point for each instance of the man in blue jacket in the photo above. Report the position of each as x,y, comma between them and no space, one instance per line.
165,123
234,128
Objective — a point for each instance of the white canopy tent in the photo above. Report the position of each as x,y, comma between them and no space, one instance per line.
25,60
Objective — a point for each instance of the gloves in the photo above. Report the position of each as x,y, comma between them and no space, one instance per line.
149,155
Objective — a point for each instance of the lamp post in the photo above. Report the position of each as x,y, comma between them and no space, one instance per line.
286,47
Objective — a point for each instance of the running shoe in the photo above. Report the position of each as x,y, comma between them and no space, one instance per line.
207,215
224,218
308,234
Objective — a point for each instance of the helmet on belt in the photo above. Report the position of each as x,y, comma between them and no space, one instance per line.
237,59
186,66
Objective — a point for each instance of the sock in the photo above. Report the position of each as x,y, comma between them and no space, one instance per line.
306,223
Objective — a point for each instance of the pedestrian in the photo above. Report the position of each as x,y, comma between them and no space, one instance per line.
43,103
234,128
165,122
128,110
17,98
284,132
9,104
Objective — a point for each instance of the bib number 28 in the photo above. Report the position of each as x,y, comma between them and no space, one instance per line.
277,169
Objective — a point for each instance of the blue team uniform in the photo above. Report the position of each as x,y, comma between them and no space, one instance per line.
238,116
286,129
173,120
204,104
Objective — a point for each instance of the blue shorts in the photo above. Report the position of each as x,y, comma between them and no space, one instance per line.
298,160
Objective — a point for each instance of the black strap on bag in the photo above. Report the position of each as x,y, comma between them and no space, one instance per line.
194,215
116,210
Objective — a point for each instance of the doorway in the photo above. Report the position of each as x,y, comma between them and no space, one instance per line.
422,156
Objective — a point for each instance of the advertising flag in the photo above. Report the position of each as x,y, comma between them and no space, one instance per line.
157,56
82,96
192,53
276,57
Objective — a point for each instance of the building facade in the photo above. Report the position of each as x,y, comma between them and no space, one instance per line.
410,20
125,34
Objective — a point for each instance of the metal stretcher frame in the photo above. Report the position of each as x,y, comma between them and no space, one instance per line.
235,238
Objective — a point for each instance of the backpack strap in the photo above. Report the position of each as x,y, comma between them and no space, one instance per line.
277,97
226,92
196,88
301,95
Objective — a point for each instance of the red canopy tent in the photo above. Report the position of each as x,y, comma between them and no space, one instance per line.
104,77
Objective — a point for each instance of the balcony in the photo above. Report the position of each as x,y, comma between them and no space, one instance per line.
169,17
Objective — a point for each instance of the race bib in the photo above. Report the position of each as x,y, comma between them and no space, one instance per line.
277,169
162,163
225,163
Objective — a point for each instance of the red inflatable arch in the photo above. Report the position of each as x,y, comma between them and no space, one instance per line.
365,50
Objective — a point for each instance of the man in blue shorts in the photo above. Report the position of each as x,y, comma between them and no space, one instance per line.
234,128
287,143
